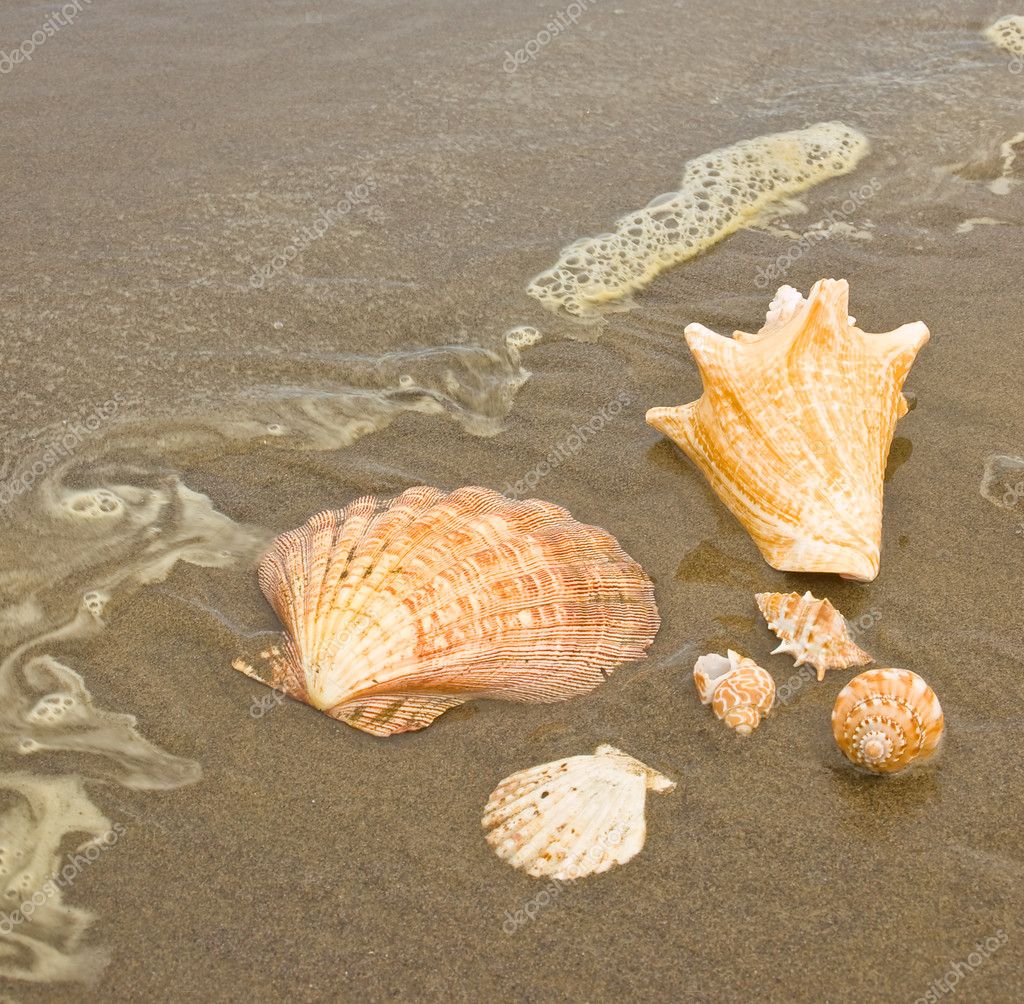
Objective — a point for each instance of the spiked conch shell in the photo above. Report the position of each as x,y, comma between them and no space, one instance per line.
794,426
886,719
811,631
572,817
396,611
739,691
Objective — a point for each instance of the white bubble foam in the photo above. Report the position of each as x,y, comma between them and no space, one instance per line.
97,504
721,192
1008,33
522,336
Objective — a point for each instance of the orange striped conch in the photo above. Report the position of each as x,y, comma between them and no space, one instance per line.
794,427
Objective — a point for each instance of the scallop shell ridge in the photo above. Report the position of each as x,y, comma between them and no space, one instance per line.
397,610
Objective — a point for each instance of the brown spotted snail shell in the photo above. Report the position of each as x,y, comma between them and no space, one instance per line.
887,719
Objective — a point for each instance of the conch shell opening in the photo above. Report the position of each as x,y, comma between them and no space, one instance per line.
794,426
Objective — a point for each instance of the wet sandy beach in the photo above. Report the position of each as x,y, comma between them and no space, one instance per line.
158,160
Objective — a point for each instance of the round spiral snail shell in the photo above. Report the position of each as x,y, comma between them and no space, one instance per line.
886,719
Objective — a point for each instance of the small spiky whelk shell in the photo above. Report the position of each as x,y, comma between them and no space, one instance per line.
739,691
794,427
397,610
811,631
572,817
886,719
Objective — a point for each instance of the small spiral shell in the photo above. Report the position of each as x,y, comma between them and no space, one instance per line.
739,691
886,719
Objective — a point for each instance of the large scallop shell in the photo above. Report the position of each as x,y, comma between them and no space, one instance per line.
739,691
396,611
886,719
572,817
794,427
810,630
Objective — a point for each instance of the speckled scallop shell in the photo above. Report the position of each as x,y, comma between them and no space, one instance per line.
794,427
739,691
572,817
887,719
810,630
396,611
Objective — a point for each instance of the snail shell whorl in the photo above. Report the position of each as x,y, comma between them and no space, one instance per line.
886,719
743,719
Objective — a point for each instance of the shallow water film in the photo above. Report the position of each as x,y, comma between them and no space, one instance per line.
261,260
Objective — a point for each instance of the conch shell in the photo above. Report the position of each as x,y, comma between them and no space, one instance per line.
886,719
396,611
572,817
739,691
794,426
811,631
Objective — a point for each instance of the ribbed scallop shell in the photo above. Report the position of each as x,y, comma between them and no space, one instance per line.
886,719
396,611
572,817
794,427
810,630
739,691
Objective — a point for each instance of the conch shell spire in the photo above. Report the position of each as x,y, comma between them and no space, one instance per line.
794,427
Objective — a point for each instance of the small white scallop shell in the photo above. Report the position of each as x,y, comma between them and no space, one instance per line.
572,817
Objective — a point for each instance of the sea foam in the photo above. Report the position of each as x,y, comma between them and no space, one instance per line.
720,193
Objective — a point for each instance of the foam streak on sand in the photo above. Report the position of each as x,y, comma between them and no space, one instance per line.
720,193
70,550
87,528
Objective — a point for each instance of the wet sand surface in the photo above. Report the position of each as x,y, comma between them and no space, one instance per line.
154,156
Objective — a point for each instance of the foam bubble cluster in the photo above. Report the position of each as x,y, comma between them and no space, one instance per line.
1008,33
720,193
